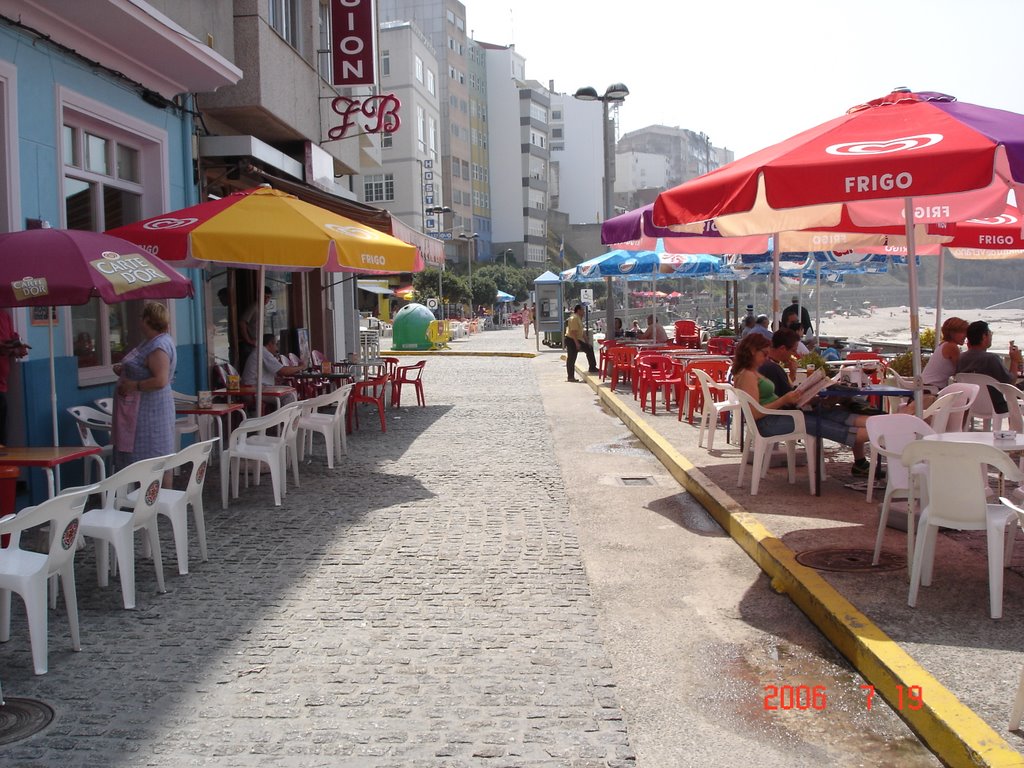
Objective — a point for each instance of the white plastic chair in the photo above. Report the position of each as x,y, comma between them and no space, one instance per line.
190,424
955,478
956,415
1018,703
105,405
712,411
762,446
893,379
329,423
944,409
173,504
252,440
889,435
27,572
982,408
291,444
937,414
115,526
89,420
1015,405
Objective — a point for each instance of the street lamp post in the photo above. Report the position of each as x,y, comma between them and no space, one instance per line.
439,211
471,242
505,257
614,94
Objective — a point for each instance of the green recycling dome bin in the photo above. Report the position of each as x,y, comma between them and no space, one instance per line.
409,328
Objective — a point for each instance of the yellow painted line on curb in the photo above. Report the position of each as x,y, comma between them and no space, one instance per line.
953,731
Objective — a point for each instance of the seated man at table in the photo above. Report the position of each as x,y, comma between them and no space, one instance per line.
654,332
762,325
780,367
977,359
272,368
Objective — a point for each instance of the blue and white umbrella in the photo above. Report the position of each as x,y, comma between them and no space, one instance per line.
643,265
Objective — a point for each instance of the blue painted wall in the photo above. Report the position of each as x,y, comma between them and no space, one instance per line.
41,70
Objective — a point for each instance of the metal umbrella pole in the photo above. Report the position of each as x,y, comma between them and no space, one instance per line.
817,307
259,340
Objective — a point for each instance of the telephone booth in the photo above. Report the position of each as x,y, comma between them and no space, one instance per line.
549,308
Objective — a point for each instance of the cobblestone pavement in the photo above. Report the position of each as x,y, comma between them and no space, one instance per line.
424,605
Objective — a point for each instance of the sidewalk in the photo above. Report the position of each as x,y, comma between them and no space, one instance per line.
967,665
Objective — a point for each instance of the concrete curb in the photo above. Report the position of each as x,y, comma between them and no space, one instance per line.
451,353
953,731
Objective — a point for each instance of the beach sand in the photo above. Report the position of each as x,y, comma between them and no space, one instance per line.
892,324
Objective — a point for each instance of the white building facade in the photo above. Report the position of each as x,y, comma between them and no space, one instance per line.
519,111
577,158
408,180
443,23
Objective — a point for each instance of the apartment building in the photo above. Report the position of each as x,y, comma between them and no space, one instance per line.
409,179
287,124
519,111
479,143
650,159
577,158
443,23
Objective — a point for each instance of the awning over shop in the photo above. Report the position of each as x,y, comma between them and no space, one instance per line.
431,249
369,287
365,214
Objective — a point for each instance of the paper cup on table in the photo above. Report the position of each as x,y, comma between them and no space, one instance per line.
234,383
205,398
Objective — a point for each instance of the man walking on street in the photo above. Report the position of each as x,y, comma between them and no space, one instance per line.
575,341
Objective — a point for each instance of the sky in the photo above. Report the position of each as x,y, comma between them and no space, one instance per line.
751,73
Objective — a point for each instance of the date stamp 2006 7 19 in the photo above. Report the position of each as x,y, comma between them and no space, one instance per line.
804,697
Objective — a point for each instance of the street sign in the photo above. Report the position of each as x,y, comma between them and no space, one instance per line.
587,296
432,303
440,235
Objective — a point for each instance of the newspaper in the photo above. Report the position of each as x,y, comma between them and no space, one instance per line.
811,386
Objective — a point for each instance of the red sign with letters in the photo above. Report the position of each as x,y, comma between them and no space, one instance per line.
353,42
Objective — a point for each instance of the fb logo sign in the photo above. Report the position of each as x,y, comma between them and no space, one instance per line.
885,146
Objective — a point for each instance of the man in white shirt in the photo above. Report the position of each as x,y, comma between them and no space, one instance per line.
272,367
